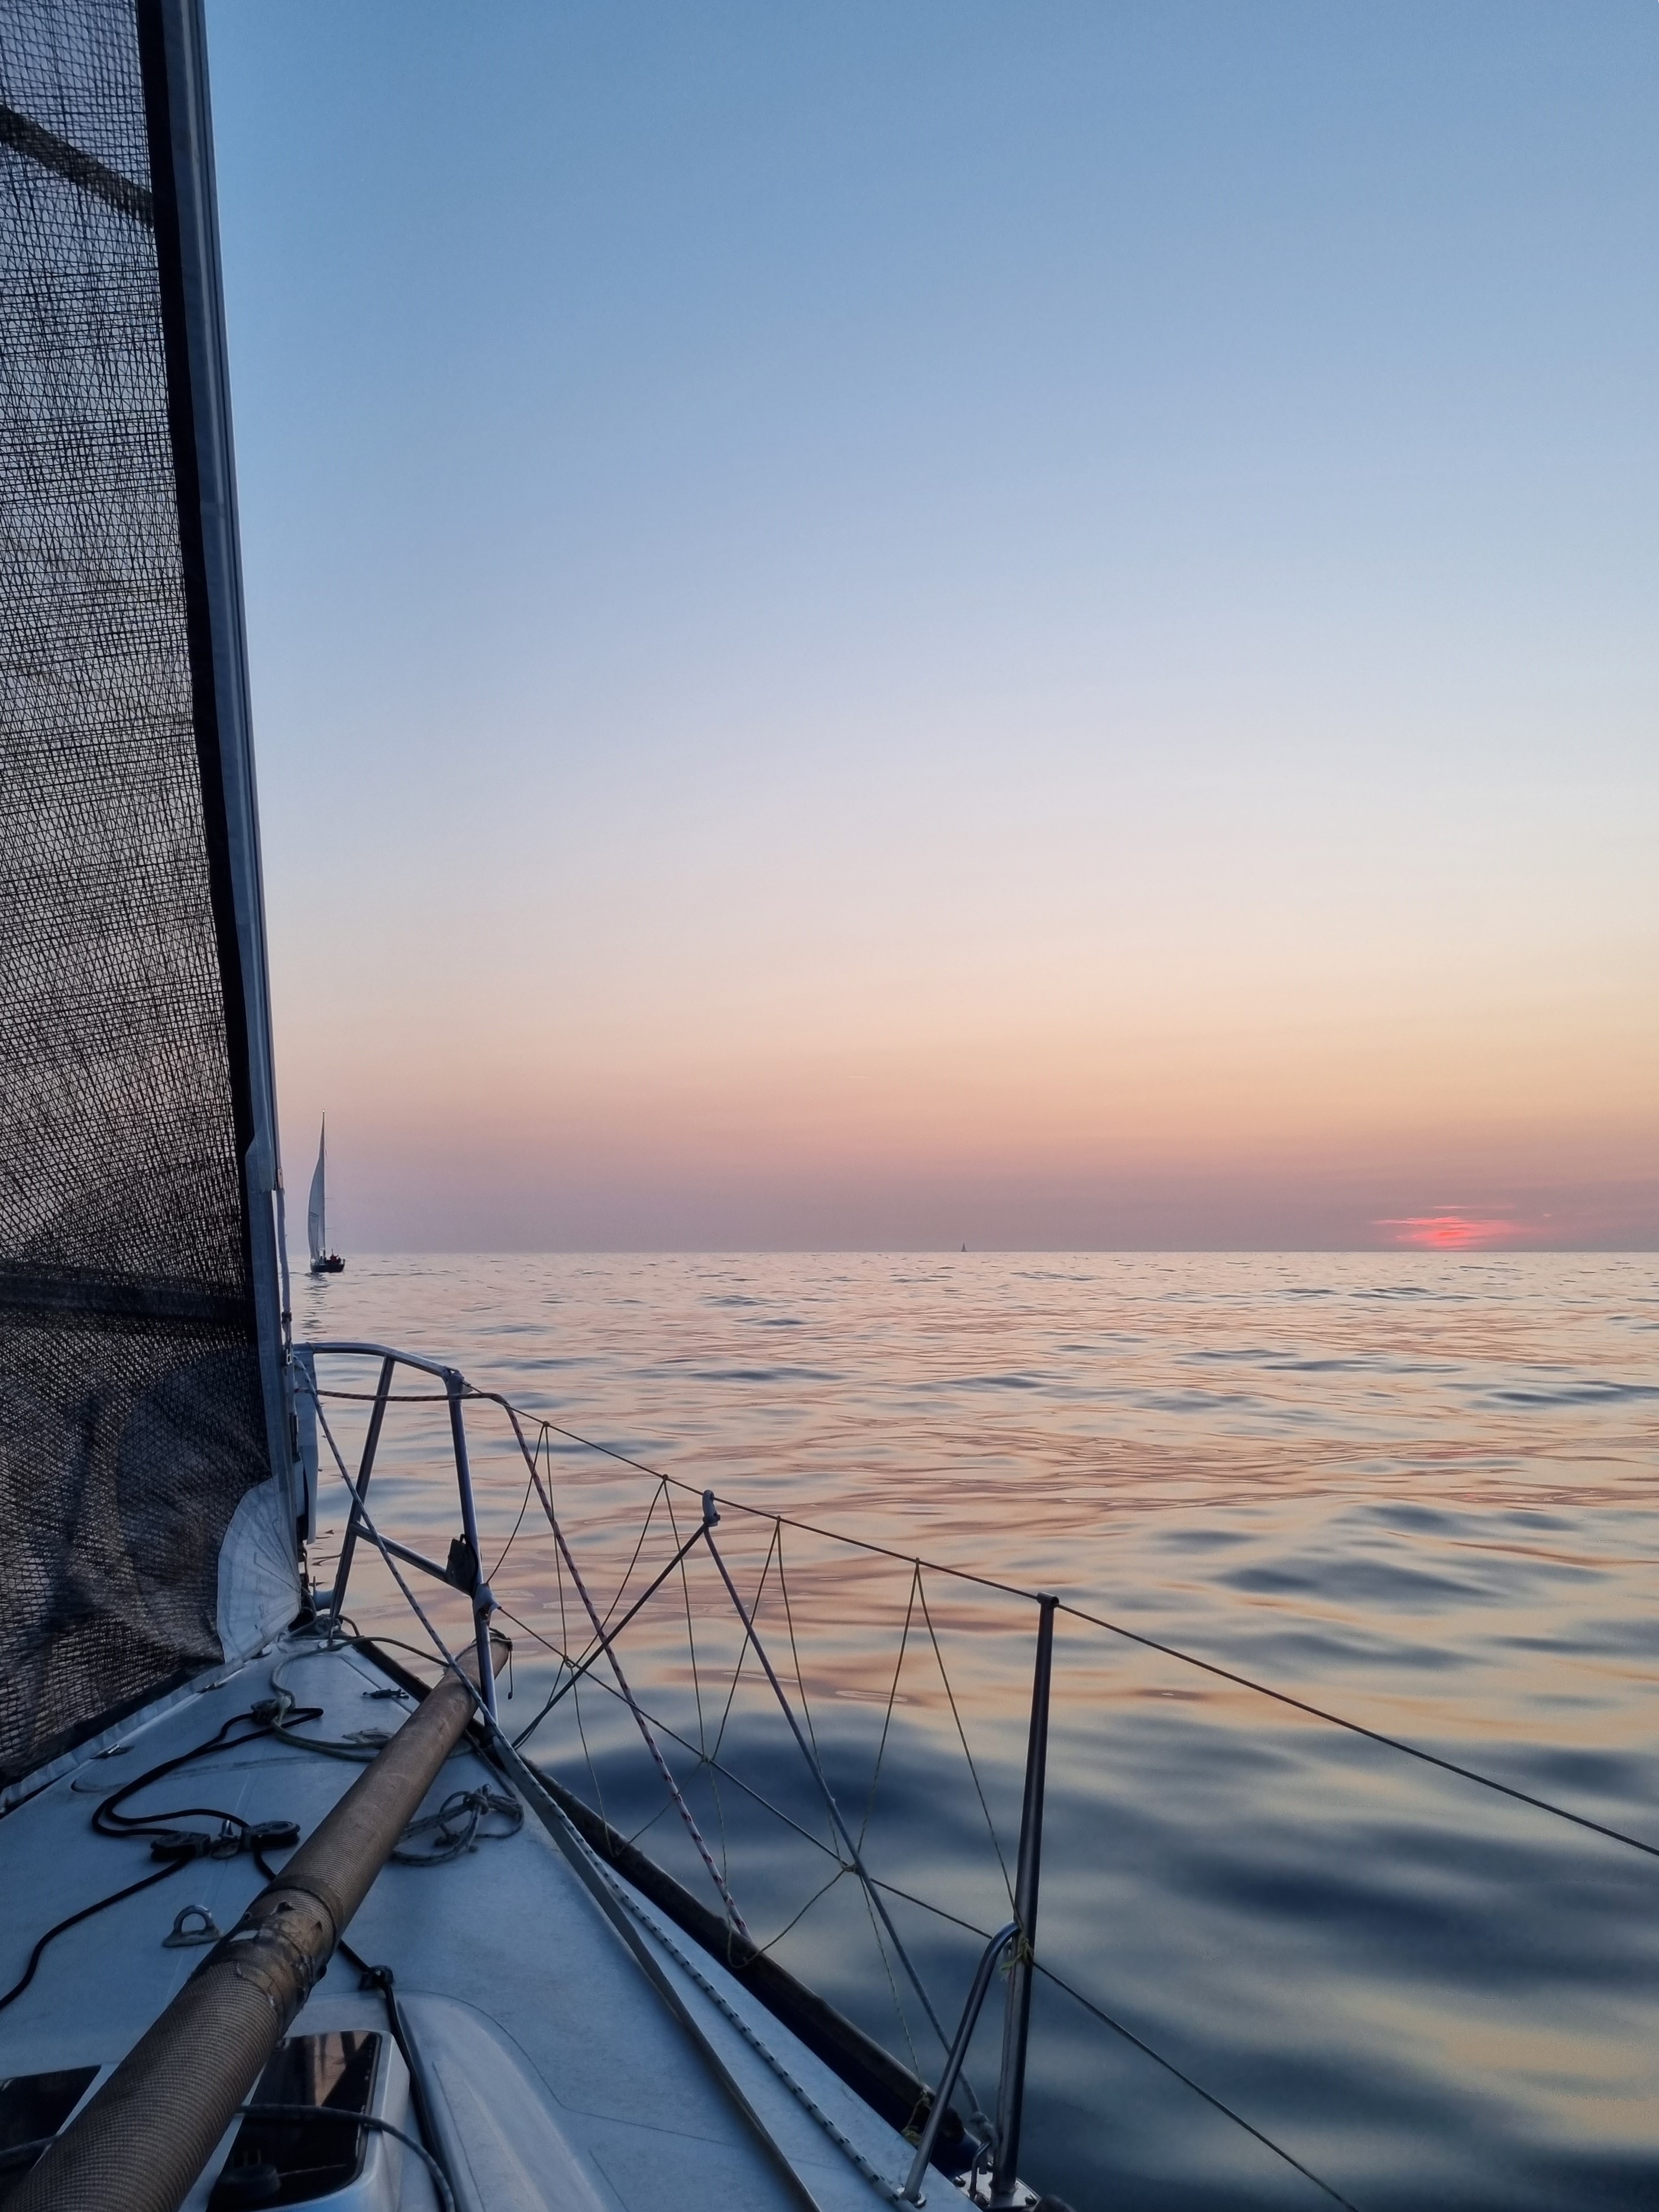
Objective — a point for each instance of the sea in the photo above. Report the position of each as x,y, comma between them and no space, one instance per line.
1349,1886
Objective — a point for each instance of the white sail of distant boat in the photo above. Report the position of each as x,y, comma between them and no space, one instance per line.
316,1212
323,1261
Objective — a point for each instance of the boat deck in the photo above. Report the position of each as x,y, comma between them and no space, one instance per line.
569,2062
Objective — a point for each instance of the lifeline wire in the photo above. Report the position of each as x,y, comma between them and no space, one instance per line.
1115,1628
969,1928
652,1745
603,1640
894,1890
830,1805
1196,2087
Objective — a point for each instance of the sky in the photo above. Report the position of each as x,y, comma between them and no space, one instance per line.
918,621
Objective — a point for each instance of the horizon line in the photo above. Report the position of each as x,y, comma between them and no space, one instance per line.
1006,1251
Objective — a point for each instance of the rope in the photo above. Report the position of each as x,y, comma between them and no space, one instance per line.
897,2001
640,1545
457,1826
690,1633
680,1553
575,1686
560,1687
705,1759
515,1414
758,1797
75,1919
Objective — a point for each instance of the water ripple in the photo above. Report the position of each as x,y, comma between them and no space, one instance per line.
1421,1494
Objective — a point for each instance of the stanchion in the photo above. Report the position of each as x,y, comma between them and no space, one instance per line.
1016,2025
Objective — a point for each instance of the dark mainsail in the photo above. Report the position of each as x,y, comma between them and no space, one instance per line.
146,1503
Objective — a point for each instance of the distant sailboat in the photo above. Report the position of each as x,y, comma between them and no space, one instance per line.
323,1261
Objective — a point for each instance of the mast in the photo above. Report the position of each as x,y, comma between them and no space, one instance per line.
172,50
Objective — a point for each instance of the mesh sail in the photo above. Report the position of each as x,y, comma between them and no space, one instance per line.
133,1415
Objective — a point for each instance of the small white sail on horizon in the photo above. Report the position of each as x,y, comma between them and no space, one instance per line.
316,1214
323,1261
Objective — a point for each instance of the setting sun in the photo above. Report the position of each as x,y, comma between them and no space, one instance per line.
1450,1231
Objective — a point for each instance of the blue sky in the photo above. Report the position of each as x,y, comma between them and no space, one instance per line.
891,619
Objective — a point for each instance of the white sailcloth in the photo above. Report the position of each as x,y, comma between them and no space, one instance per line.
316,1229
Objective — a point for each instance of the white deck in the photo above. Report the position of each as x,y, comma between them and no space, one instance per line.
563,2077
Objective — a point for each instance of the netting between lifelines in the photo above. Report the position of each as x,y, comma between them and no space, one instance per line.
834,1734
129,1410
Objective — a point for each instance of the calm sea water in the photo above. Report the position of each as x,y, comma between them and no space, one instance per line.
1418,1491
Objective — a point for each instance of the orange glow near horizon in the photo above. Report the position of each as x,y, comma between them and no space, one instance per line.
1451,1232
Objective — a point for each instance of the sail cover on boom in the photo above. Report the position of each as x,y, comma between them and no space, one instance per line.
146,1501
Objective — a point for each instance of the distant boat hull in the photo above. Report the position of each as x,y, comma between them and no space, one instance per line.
328,1263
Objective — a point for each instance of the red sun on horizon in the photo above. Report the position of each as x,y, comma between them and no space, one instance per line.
1450,1231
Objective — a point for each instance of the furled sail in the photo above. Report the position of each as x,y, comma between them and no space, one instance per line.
146,1502
316,1213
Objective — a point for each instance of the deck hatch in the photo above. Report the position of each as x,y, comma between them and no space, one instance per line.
31,2107
285,2160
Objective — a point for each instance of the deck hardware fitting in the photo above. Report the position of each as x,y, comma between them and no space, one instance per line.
183,1938
911,2192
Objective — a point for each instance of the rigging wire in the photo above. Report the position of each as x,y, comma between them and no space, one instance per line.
795,1656
712,1760
743,1647
944,1676
887,1718
680,1553
1372,1736
1196,2087
1379,1736
894,1890
616,1665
